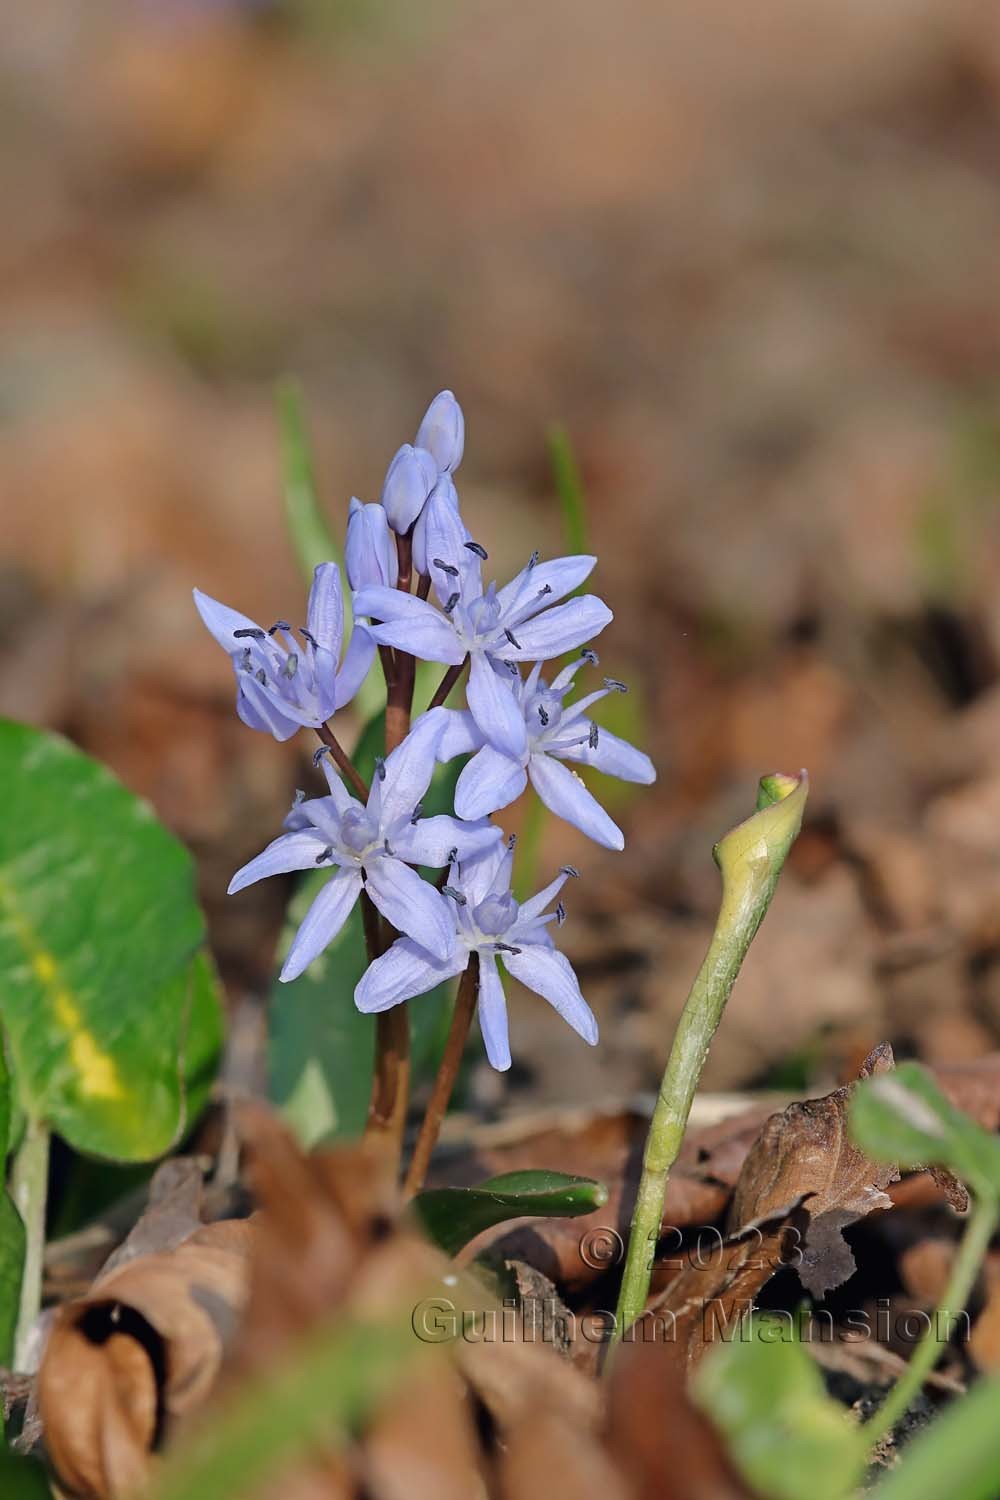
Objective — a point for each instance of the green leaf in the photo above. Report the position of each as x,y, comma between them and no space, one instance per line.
321,1048
12,1244
958,1455
22,1479
903,1117
11,1235
324,1394
787,1436
311,536
569,488
110,1007
454,1216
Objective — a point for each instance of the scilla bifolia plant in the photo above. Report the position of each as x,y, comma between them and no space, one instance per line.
418,593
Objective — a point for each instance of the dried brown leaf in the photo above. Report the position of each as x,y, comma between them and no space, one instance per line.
662,1444
143,1349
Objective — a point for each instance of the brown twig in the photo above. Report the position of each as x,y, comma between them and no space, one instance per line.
343,760
447,683
444,1083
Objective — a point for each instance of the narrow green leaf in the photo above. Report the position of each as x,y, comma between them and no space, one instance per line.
569,488
788,1437
311,537
903,1117
454,1216
321,1397
958,1455
110,1007
11,1235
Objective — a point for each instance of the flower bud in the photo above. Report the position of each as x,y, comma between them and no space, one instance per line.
409,480
444,490
370,550
442,432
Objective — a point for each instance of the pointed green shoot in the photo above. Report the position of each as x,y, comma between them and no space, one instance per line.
750,857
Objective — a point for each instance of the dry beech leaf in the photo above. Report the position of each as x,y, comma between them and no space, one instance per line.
802,1183
805,1153
664,1447
329,1244
543,1445
142,1349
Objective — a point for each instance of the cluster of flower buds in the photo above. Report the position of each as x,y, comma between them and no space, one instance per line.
516,728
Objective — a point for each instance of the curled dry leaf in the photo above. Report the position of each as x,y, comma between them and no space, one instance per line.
124,1364
802,1183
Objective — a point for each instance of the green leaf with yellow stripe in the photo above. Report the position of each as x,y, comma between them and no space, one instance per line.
108,1000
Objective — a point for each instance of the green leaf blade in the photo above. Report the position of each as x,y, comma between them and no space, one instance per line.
110,1007
454,1216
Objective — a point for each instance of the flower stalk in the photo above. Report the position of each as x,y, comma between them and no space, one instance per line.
750,858
447,1073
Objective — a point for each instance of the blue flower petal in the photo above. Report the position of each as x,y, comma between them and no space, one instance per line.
560,629
325,614
324,919
290,851
613,756
493,1014
223,621
403,971
432,840
550,974
559,577
495,709
442,431
412,905
564,793
491,780
356,664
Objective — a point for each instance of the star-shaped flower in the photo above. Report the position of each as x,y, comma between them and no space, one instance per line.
488,921
496,628
555,732
373,847
283,685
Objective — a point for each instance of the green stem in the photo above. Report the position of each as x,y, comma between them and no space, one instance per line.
972,1250
750,858
29,1187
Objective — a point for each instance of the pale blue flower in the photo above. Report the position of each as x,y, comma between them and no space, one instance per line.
442,432
283,685
497,628
373,847
370,550
487,921
555,732
411,476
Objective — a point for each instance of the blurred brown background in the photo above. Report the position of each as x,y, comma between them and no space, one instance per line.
748,255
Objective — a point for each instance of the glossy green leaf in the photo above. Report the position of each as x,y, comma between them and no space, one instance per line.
787,1436
109,1004
903,1117
958,1455
454,1216
321,1048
